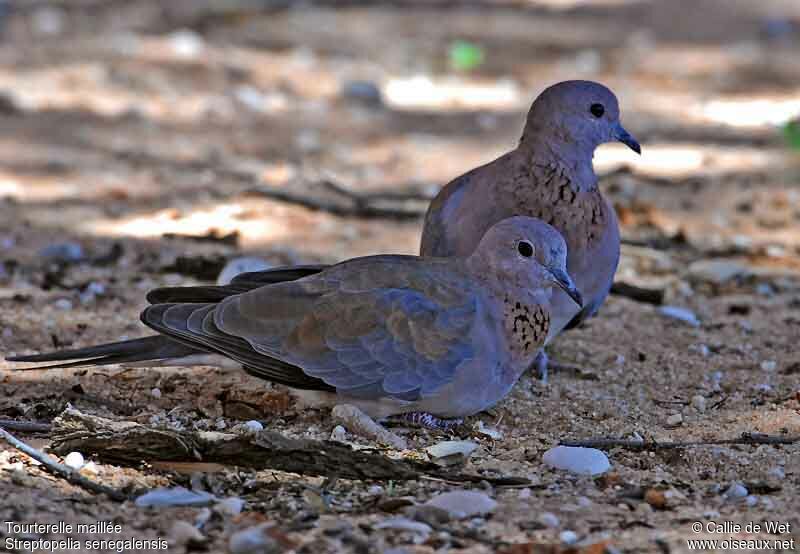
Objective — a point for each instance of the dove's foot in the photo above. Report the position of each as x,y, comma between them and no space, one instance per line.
360,423
544,364
541,364
429,421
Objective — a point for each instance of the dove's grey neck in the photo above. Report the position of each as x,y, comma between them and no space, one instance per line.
573,159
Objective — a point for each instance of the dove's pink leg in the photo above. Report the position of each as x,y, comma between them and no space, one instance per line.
540,363
430,421
543,364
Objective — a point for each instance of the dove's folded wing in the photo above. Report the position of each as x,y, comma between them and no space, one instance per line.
376,326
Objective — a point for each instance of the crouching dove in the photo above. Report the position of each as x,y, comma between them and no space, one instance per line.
393,335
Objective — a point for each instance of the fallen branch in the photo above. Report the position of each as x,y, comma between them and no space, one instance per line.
60,470
638,294
385,195
362,208
129,443
745,438
25,426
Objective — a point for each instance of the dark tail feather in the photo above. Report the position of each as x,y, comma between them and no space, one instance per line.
128,351
241,283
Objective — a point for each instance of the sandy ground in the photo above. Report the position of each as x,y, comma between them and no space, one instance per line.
118,125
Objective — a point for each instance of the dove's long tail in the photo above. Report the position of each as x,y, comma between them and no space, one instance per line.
156,348
161,350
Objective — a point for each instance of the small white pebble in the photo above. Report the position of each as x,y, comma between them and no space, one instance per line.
375,490
63,304
183,532
231,506
751,500
155,392
745,326
490,432
765,289
584,502
701,349
777,472
768,365
463,504
254,426
699,403
568,537
220,424
775,251
524,494
736,491
339,434
587,461
74,460
549,519
674,420
186,43
681,314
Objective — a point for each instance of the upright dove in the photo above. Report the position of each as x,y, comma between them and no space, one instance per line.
416,336
550,176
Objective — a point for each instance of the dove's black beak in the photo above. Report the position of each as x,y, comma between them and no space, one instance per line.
564,281
627,139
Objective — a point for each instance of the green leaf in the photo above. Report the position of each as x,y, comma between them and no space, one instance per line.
465,56
791,131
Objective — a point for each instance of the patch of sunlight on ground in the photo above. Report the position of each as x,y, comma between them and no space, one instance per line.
569,4
451,93
673,160
752,112
224,218
88,87
23,188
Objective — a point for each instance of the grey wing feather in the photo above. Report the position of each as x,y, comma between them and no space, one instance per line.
407,340
241,283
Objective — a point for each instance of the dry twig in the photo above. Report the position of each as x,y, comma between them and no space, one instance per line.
356,205
745,438
25,426
638,294
60,470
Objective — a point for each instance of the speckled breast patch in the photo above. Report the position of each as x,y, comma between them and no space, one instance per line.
526,327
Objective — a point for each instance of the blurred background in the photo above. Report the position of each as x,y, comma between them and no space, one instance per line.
145,143
137,119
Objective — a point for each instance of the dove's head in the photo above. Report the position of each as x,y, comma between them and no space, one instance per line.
527,253
576,114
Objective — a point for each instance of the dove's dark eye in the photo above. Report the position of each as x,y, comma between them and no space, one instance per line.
597,110
525,248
